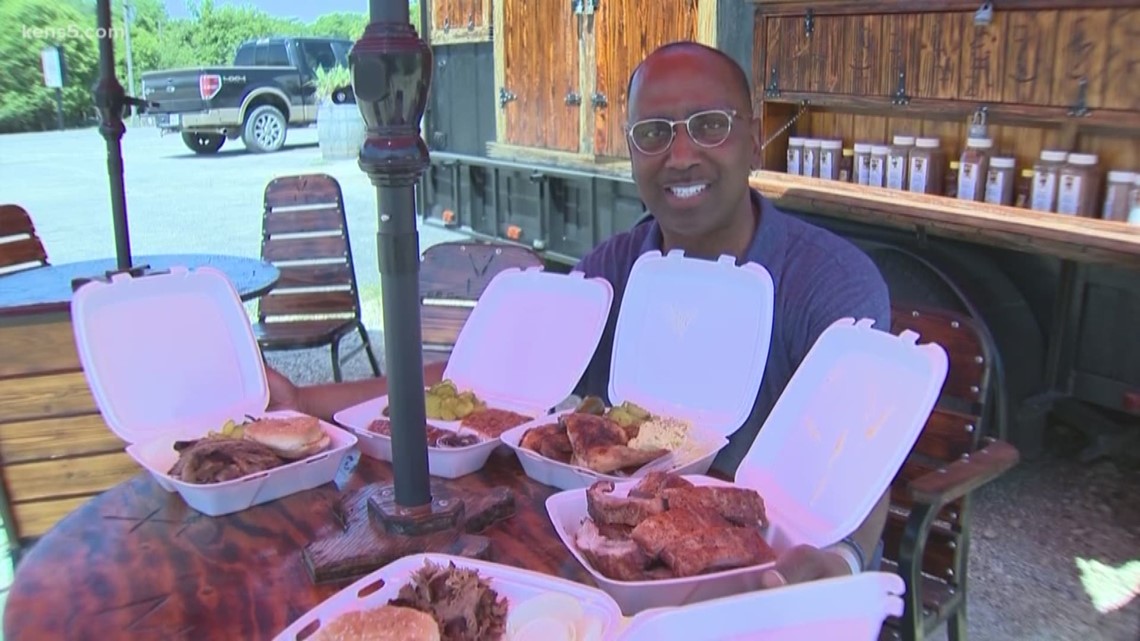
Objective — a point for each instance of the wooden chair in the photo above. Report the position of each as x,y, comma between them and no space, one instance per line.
452,278
927,535
20,247
316,301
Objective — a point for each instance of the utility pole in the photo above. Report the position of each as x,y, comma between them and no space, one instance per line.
128,18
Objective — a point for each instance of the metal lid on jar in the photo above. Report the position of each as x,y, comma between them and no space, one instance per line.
862,147
980,143
1052,155
1002,162
1084,160
904,141
927,143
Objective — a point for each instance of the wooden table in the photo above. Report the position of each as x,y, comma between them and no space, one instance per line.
50,287
137,563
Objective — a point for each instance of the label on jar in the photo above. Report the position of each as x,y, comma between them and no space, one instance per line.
896,172
875,177
826,162
809,163
1069,194
917,174
968,181
1044,188
863,170
995,184
1116,198
794,161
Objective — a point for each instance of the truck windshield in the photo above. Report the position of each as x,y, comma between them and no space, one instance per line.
262,55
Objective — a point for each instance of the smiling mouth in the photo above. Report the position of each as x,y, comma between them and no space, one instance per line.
687,191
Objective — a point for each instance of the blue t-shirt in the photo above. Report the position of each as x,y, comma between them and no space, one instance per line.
819,278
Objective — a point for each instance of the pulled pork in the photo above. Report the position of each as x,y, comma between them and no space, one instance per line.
460,601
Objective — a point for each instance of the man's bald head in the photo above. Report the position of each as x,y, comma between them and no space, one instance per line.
740,90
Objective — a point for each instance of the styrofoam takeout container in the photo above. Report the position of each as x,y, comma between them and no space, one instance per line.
171,357
514,584
850,608
691,343
524,347
828,451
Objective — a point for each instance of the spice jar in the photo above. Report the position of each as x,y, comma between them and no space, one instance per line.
1117,198
795,155
878,173
847,165
898,158
1023,193
1045,174
811,157
925,175
1000,181
974,166
1134,212
830,154
863,163
951,181
1078,186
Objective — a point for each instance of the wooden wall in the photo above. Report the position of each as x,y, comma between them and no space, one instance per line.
1029,68
56,452
459,21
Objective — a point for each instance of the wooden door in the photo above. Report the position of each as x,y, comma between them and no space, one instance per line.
539,95
458,21
623,38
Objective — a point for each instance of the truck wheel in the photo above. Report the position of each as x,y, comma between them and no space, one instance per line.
264,130
203,143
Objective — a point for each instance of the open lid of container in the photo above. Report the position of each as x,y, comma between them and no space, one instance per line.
530,337
842,429
692,339
170,353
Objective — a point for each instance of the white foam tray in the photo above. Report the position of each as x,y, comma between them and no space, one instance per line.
568,477
444,462
512,583
158,456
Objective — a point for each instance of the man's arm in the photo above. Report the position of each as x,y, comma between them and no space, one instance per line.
325,400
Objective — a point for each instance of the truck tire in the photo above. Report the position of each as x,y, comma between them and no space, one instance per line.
264,130
203,143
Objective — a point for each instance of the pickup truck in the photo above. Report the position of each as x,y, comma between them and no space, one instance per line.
270,88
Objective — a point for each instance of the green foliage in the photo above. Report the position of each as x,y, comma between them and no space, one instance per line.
330,80
208,38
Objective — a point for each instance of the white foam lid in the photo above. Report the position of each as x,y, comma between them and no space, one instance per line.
692,339
1122,176
168,354
832,144
1052,155
529,338
880,150
927,143
796,140
862,147
1083,159
980,143
904,141
812,142
842,428
1002,162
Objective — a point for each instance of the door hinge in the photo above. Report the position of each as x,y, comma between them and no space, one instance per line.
599,100
900,97
505,97
1081,108
573,98
584,7
809,23
773,88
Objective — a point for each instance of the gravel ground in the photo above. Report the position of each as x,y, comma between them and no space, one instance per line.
1056,543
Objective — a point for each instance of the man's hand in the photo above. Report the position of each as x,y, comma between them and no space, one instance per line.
804,563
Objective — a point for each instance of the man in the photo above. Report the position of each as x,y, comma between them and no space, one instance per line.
692,144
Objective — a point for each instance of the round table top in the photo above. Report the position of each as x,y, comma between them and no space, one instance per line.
137,563
50,287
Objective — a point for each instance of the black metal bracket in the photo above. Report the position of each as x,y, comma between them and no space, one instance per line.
138,271
1081,109
900,97
505,97
584,7
599,100
446,25
809,23
573,98
773,88
471,21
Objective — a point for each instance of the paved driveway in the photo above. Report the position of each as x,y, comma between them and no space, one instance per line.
180,202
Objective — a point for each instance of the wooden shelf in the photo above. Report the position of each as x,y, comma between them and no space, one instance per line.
1081,239
850,7
1105,120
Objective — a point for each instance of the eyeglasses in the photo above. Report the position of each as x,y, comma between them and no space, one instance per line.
706,128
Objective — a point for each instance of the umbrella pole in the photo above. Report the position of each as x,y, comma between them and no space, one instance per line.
111,100
391,74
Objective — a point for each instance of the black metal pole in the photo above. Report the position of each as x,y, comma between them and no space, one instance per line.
391,73
111,99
